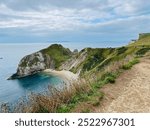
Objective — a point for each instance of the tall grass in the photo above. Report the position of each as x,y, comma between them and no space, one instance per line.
67,99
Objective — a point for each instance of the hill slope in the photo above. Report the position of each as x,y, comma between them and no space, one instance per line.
87,62
131,91
51,57
97,59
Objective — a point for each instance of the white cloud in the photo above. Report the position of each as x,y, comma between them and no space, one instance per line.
98,16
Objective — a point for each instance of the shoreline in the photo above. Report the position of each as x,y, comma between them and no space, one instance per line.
68,76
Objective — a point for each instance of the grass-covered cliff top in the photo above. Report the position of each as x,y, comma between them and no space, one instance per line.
92,60
58,53
143,40
98,58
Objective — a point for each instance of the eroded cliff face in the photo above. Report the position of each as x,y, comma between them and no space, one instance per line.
32,64
49,58
86,62
74,62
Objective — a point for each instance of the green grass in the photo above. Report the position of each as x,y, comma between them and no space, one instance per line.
144,36
143,40
105,79
58,53
121,50
130,64
98,58
93,97
87,110
42,110
142,51
64,108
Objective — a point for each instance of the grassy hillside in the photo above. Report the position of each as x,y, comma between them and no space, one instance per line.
144,40
58,53
105,64
97,59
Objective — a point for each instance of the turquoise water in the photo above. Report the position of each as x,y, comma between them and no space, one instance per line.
12,90
10,55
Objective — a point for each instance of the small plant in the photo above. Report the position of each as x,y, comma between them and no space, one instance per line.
96,103
106,78
142,51
86,111
63,109
109,77
130,64
42,110
121,50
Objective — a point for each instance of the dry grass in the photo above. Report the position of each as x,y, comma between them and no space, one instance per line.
51,102
67,100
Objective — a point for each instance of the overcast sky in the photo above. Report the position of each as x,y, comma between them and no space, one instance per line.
99,21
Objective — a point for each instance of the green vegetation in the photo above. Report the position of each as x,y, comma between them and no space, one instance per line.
33,62
130,64
64,108
87,110
104,64
96,58
23,64
42,109
108,77
58,53
121,50
85,93
92,96
142,51
99,58
144,35
144,40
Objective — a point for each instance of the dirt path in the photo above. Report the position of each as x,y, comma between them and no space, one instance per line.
130,93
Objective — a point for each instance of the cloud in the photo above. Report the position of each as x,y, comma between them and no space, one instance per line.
74,17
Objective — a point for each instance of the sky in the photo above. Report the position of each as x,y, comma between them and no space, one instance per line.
113,22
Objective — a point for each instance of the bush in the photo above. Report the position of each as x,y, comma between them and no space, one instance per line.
130,64
86,111
63,109
109,77
142,51
121,50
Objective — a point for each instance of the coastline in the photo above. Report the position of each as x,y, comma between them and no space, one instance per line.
68,77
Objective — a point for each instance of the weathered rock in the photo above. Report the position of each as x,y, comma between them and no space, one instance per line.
49,58
32,64
74,61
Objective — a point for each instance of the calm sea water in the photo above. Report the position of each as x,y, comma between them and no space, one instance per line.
11,54
12,90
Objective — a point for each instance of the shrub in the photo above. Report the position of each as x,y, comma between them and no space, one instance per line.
109,77
130,64
142,51
63,109
121,50
86,111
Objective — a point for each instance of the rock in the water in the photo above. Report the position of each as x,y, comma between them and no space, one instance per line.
48,58
32,64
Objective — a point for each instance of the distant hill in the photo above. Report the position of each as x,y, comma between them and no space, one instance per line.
97,59
144,39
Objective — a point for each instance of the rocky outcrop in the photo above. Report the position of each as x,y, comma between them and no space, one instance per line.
86,62
74,62
49,58
32,64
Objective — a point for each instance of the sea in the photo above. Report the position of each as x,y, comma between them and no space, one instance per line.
12,90
10,55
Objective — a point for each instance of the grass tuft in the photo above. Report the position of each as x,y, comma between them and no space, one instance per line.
130,64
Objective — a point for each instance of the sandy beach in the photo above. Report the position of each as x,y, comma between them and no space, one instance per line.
68,77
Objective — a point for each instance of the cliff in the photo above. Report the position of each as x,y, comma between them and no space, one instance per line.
49,58
86,62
